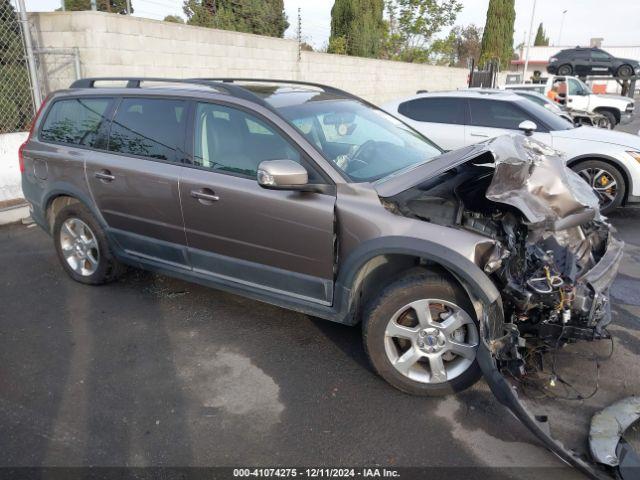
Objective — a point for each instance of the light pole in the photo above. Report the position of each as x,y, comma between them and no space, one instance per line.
561,25
526,58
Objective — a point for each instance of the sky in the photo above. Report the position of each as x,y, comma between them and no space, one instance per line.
617,21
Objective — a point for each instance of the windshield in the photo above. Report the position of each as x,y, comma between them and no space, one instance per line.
365,143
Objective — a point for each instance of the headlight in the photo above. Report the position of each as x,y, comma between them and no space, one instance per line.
635,154
553,59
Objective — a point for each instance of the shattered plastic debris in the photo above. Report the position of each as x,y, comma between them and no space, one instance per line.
608,425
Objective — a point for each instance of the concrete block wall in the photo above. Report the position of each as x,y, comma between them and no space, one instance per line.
117,45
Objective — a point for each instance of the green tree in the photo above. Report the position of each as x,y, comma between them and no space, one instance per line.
262,17
113,6
173,19
412,25
497,39
541,38
457,48
357,27
16,107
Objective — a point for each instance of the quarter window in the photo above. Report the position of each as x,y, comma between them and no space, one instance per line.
151,128
435,110
496,114
75,121
232,141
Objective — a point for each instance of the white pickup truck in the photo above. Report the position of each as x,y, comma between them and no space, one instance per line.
616,108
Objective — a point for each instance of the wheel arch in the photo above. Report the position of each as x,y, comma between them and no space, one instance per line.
378,262
611,161
63,195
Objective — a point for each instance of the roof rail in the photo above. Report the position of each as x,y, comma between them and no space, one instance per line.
135,82
326,88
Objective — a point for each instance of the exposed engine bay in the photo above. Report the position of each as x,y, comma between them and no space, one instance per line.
552,257
548,237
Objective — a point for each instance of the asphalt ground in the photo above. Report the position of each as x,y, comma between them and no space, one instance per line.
152,371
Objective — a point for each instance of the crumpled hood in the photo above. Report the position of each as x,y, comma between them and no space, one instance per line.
600,135
529,176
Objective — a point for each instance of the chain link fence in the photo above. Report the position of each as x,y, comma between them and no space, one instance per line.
16,101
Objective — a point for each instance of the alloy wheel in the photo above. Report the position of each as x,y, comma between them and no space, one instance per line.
603,184
431,341
79,247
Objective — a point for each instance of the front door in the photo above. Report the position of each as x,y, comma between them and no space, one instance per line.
276,241
578,96
135,183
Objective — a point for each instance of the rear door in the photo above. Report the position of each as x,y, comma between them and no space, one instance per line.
266,240
134,182
440,119
600,63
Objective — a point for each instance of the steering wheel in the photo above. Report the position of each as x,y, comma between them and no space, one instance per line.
361,156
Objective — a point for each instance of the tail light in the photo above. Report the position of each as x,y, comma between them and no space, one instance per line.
33,124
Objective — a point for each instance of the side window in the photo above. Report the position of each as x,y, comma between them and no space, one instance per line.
75,121
147,127
436,110
574,87
496,114
230,140
596,55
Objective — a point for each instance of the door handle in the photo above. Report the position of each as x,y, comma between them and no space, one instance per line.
206,196
105,176
476,134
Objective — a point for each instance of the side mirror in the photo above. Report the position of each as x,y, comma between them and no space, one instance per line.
528,127
282,175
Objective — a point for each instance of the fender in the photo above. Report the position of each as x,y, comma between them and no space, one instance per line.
70,190
478,282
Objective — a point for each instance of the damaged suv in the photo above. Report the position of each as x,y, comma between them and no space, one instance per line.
310,198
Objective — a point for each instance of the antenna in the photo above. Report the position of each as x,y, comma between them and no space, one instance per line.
299,34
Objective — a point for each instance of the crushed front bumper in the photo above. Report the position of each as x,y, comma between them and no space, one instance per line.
499,337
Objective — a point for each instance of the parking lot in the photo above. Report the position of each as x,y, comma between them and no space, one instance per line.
151,371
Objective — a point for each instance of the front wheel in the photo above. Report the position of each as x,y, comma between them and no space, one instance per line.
421,336
606,181
565,70
82,246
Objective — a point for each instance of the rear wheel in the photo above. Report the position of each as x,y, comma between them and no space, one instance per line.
421,336
82,246
625,71
612,121
606,181
565,69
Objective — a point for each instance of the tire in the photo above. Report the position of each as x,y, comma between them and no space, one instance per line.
565,69
83,248
589,171
625,72
610,116
384,349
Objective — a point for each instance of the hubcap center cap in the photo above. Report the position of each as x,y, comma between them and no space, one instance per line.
431,340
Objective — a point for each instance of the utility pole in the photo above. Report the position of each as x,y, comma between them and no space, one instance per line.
561,25
128,7
299,34
63,6
31,61
526,59
94,6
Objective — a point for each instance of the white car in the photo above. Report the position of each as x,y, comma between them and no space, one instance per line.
608,160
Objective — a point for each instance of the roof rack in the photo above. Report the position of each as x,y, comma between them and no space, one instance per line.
323,87
135,82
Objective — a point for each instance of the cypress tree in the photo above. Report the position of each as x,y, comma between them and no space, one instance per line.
357,27
497,39
541,38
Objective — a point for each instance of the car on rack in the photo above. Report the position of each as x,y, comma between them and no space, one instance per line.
583,61
609,161
310,198
578,96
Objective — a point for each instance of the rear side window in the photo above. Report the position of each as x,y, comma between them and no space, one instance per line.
75,121
599,55
152,128
496,114
435,110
